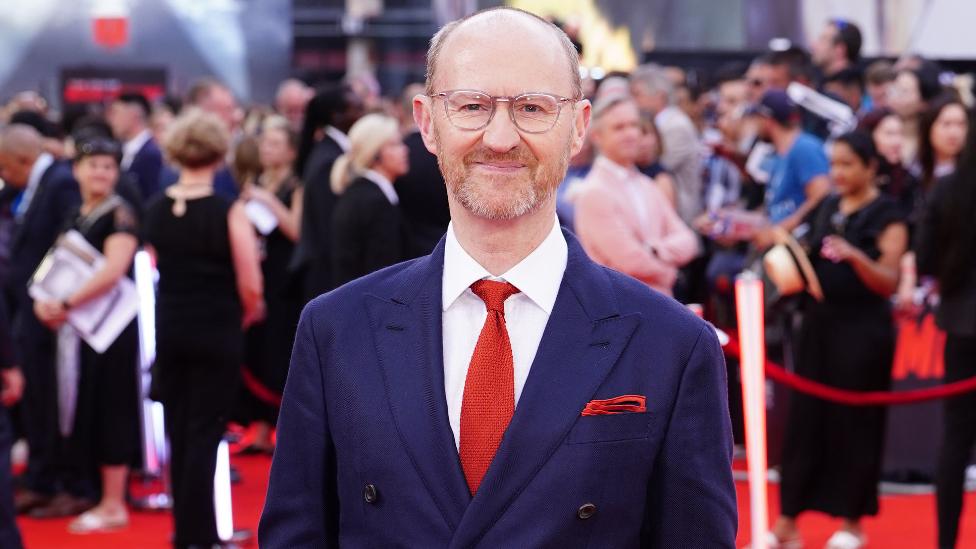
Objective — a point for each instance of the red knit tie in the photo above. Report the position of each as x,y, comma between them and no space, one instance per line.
489,389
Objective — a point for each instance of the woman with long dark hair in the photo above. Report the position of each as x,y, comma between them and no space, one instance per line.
832,453
946,249
941,136
894,178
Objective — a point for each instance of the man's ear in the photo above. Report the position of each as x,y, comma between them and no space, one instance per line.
424,117
581,123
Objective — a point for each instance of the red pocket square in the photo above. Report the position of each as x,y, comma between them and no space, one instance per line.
634,404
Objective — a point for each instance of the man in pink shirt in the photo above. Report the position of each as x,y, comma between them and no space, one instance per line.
622,219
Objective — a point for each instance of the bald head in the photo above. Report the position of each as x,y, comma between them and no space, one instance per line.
499,29
21,140
20,145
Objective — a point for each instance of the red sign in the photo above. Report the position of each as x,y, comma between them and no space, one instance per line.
111,32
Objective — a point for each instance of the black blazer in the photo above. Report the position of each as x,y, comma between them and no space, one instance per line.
423,199
312,260
145,168
367,232
957,308
56,198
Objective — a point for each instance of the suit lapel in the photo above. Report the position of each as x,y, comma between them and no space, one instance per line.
582,341
407,330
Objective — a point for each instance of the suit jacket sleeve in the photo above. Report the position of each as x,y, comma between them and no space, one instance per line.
301,508
678,244
603,230
691,494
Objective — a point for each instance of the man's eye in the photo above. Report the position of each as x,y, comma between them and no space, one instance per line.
473,107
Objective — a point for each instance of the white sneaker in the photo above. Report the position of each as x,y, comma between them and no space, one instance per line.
843,539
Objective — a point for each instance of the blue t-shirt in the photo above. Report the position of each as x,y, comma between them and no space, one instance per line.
788,183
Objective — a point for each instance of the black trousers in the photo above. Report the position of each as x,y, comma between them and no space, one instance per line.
958,439
39,405
9,534
196,418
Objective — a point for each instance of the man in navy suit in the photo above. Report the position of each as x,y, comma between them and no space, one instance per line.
128,115
504,391
49,195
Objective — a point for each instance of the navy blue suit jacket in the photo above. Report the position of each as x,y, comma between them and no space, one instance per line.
364,412
146,167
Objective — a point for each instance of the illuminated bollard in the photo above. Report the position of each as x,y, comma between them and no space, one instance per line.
749,310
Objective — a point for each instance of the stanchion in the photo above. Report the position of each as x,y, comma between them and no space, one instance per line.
749,309
155,457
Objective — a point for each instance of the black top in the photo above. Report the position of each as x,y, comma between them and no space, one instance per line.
423,199
312,257
115,215
957,306
193,255
367,232
840,283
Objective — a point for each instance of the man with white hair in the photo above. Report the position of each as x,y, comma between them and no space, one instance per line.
290,101
504,391
623,220
653,90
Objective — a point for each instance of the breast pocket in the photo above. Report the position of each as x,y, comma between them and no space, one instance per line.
611,428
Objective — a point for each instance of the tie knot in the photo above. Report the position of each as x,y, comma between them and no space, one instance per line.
494,293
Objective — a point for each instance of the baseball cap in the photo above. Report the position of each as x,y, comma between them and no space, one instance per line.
775,104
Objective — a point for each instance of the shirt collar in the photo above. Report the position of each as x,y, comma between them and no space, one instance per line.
340,138
40,166
538,275
132,146
384,184
616,170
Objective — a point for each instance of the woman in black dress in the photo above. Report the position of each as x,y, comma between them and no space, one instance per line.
268,343
209,287
832,453
367,228
105,430
946,248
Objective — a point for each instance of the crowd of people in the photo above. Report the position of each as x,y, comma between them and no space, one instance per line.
683,183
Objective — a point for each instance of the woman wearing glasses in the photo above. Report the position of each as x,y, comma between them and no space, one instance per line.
832,453
367,229
105,430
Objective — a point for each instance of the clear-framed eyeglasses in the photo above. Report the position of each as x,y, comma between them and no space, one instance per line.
472,110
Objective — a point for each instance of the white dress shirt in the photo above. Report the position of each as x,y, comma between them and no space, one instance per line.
132,147
340,138
40,166
538,277
384,184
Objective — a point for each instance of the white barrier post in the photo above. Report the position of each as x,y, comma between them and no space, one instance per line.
154,448
749,310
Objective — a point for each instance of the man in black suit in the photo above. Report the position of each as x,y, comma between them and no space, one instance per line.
141,158
329,116
423,196
49,195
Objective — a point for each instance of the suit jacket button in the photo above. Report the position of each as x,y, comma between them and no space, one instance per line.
370,494
586,511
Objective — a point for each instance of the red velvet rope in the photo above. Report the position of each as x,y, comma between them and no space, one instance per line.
857,398
259,390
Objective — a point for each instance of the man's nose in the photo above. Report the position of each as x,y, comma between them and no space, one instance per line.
501,135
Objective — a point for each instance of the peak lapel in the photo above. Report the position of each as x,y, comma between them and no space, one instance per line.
407,330
581,343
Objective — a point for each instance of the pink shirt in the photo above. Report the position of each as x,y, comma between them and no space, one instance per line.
626,223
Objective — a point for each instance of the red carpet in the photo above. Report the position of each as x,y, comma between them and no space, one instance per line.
905,521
